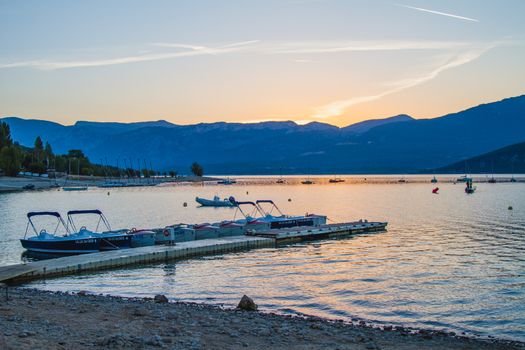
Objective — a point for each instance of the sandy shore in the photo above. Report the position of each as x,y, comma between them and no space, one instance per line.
33,319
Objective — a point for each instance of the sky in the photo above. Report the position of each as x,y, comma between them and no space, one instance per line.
332,61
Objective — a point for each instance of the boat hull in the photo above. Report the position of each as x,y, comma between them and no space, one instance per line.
63,246
115,242
212,203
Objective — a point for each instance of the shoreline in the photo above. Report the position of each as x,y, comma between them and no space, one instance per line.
16,184
48,320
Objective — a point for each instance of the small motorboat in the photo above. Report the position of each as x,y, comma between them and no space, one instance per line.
336,180
463,178
215,202
469,189
69,243
307,182
435,190
227,181
269,221
280,181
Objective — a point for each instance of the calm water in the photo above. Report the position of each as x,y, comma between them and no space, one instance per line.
451,260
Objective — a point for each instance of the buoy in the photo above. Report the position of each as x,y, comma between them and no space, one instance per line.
246,192
289,199
510,207
184,204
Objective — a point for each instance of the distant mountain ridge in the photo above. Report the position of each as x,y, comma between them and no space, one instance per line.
398,144
506,160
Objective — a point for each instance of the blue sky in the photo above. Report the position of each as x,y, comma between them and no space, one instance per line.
336,61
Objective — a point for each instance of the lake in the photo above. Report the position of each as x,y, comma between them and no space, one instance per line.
448,261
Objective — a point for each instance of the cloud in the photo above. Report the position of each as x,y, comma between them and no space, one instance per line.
252,46
438,13
314,47
338,107
192,50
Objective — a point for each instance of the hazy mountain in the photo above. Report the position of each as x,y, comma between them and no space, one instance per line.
506,160
366,125
396,144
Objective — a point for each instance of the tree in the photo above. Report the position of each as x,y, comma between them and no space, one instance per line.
197,169
5,135
173,173
10,160
75,153
39,148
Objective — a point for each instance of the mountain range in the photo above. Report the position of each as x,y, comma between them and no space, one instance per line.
506,160
399,144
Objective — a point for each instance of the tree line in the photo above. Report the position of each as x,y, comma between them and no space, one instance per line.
40,159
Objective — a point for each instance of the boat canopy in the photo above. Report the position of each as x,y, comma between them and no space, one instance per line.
91,211
269,201
42,213
256,208
101,216
30,223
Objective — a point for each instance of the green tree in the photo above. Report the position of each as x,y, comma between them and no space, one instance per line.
5,135
75,153
39,149
197,169
10,160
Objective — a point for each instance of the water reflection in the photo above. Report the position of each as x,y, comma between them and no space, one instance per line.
447,261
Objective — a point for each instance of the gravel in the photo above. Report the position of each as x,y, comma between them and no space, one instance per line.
34,319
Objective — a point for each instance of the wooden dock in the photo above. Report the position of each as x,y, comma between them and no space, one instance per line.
160,253
118,258
298,234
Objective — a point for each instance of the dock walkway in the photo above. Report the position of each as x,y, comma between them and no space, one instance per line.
298,234
160,253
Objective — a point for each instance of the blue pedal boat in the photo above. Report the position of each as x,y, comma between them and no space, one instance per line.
109,239
70,243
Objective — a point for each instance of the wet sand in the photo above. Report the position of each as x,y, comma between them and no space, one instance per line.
33,319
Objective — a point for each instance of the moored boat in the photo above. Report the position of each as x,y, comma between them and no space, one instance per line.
215,202
69,243
227,181
469,189
109,239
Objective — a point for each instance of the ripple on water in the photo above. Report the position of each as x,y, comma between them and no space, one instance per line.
451,261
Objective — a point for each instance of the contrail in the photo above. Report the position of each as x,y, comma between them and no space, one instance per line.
438,13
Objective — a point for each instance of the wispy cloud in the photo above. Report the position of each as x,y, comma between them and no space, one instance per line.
438,13
191,50
314,47
337,108
179,50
